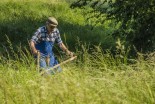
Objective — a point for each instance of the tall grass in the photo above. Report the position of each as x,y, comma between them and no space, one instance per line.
96,77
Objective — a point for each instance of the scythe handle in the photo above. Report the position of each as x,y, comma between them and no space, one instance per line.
38,61
68,60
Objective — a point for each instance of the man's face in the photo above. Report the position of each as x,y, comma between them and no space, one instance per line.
50,28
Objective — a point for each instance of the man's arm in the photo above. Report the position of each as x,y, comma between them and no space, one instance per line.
61,45
32,45
65,49
34,40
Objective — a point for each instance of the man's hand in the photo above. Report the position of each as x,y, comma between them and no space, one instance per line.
69,53
65,49
35,52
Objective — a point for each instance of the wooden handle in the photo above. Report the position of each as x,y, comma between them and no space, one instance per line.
68,60
38,61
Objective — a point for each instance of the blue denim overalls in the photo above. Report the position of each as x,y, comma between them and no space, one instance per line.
45,49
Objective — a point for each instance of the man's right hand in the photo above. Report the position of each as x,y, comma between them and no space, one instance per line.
36,52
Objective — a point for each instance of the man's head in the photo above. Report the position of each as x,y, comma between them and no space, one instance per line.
51,23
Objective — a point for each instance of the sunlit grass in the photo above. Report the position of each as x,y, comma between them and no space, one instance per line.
78,86
96,77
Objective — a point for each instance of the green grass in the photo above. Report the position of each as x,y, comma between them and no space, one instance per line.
20,19
77,85
96,77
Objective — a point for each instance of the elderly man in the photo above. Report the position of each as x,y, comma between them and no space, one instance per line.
43,41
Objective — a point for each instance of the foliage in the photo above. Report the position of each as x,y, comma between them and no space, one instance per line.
135,18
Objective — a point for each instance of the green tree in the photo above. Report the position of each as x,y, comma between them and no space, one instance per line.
136,19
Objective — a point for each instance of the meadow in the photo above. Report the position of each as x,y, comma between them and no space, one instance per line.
97,76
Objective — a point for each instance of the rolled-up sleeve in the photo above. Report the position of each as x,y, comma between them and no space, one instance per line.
58,38
36,36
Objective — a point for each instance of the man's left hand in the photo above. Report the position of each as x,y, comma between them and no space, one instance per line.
71,54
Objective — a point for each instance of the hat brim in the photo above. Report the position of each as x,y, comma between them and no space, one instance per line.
53,25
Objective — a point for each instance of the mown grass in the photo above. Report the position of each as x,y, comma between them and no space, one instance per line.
96,77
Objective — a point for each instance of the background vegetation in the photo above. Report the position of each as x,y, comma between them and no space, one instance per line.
135,19
103,73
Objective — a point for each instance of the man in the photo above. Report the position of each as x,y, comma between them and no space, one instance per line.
43,40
